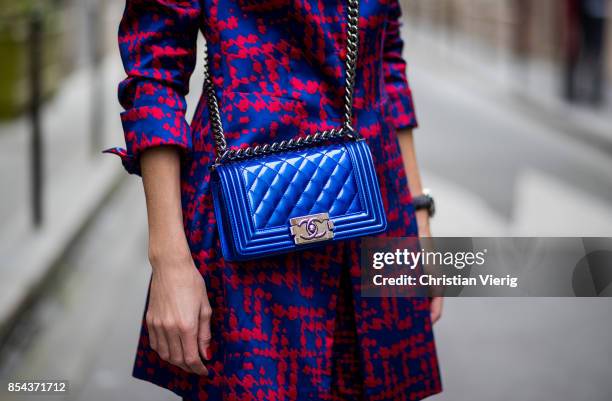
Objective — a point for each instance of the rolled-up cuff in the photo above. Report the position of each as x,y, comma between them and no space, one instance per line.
130,164
151,126
401,107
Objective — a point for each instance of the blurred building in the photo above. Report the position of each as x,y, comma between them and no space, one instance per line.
69,35
568,36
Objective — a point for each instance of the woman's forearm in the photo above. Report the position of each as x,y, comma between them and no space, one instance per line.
160,168
406,141
413,174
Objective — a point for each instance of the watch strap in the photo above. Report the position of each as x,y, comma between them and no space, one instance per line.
424,201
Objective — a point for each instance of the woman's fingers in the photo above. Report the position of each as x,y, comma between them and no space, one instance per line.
177,344
204,335
191,355
153,338
176,349
163,350
436,308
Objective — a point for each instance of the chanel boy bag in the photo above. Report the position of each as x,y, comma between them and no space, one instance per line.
299,193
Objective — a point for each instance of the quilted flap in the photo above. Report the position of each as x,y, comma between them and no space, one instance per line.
279,188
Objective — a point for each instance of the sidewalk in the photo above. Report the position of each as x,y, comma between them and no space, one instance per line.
76,181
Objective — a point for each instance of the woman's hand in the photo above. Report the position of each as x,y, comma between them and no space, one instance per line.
436,303
178,316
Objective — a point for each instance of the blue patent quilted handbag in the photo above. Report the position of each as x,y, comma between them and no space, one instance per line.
296,194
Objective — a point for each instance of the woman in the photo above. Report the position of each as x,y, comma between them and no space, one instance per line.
290,327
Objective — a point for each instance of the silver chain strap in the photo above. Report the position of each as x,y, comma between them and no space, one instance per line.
347,130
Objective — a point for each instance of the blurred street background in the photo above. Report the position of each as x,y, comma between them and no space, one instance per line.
514,100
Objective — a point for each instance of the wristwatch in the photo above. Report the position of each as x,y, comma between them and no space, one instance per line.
425,201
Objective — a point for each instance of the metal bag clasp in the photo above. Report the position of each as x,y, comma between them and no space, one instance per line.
312,228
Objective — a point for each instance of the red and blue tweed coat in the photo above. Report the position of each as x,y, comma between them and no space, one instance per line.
291,327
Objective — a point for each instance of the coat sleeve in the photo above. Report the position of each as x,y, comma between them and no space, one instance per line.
157,42
396,84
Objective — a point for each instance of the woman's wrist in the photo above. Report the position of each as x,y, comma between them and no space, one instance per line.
171,252
422,218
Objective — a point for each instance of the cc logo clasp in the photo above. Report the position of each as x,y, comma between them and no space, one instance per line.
312,228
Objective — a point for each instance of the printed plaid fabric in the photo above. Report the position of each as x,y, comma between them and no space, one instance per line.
291,327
